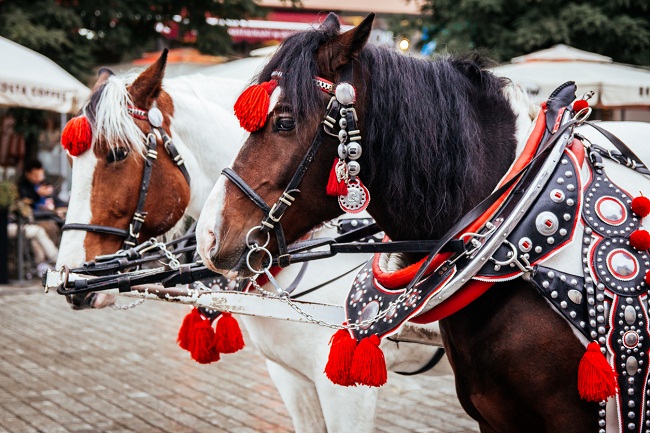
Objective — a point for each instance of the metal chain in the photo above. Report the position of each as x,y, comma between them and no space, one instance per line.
283,296
174,263
117,307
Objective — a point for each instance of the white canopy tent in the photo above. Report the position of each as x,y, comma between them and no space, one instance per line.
615,85
29,79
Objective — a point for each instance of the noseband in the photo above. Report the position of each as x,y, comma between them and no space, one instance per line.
273,214
155,119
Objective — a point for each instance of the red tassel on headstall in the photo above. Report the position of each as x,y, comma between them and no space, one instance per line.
252,106
185,337
77,136
228,337
596,378
339,362
202,349
369,365
334,186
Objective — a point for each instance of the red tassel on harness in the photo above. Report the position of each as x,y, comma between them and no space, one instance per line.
186,333
641,206
335,187
77,136
228,337
202,349
368,364
580,104
252,106
640,239
596,378
339,362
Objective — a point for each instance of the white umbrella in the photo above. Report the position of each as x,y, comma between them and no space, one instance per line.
615,85
29,79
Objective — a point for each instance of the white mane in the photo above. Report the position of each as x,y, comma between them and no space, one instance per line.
113,122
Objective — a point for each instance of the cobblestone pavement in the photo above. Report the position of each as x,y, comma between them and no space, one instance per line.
121,371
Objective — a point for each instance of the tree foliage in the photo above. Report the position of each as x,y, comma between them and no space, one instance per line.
508,28
77,34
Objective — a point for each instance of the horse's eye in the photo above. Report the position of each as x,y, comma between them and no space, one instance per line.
284,124
117,154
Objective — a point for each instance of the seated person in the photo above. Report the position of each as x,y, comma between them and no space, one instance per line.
33,189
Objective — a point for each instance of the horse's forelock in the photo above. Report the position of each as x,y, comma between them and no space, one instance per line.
296,59
108,114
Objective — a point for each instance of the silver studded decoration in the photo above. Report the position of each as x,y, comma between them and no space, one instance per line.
349,151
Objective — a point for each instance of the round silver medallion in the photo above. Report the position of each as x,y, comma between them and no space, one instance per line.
546,223
557,195
622,265
357,198
611,211
369,312
630,339
345,93
155,117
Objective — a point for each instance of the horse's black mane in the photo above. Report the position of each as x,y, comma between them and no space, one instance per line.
437,134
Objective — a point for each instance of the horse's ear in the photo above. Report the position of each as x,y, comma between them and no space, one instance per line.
345,47
102,75
331,23
146,88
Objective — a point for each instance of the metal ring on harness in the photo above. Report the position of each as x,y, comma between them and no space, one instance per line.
581,116
264,268
254,244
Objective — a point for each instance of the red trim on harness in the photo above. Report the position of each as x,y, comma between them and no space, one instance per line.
400,278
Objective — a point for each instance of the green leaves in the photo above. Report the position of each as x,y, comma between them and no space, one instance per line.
508,28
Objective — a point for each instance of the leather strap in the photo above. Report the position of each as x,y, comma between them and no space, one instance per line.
94,228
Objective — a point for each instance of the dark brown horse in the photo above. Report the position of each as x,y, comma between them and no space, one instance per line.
436,137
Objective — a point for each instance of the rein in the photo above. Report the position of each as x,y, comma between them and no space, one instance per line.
155,118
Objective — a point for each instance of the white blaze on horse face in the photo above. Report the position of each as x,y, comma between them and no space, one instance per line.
72,251
209,224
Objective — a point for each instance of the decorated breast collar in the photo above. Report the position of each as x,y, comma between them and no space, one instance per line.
581,244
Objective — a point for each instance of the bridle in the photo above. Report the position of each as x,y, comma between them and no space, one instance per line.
130,235
273,214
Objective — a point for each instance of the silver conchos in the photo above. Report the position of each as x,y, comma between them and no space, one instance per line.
630,339
546,223
155,117
622,265
369,312
557,195
610,210
357,198
525,245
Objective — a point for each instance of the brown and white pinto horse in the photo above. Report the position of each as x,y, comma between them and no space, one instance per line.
198,117
437,137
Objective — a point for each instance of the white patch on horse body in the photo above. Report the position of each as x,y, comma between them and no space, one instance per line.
207,229
525,111
72,251
204,130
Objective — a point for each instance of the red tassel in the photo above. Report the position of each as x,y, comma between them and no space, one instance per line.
339,362
252,106
640,239
203,350
641,206
334,186
185,335
580,104
228,337
596,378
369,365
77,136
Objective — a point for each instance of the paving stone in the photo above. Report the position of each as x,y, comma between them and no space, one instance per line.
121,371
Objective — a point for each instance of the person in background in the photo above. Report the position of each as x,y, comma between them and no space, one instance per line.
34,190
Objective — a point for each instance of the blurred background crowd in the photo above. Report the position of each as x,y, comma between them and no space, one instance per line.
52,49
